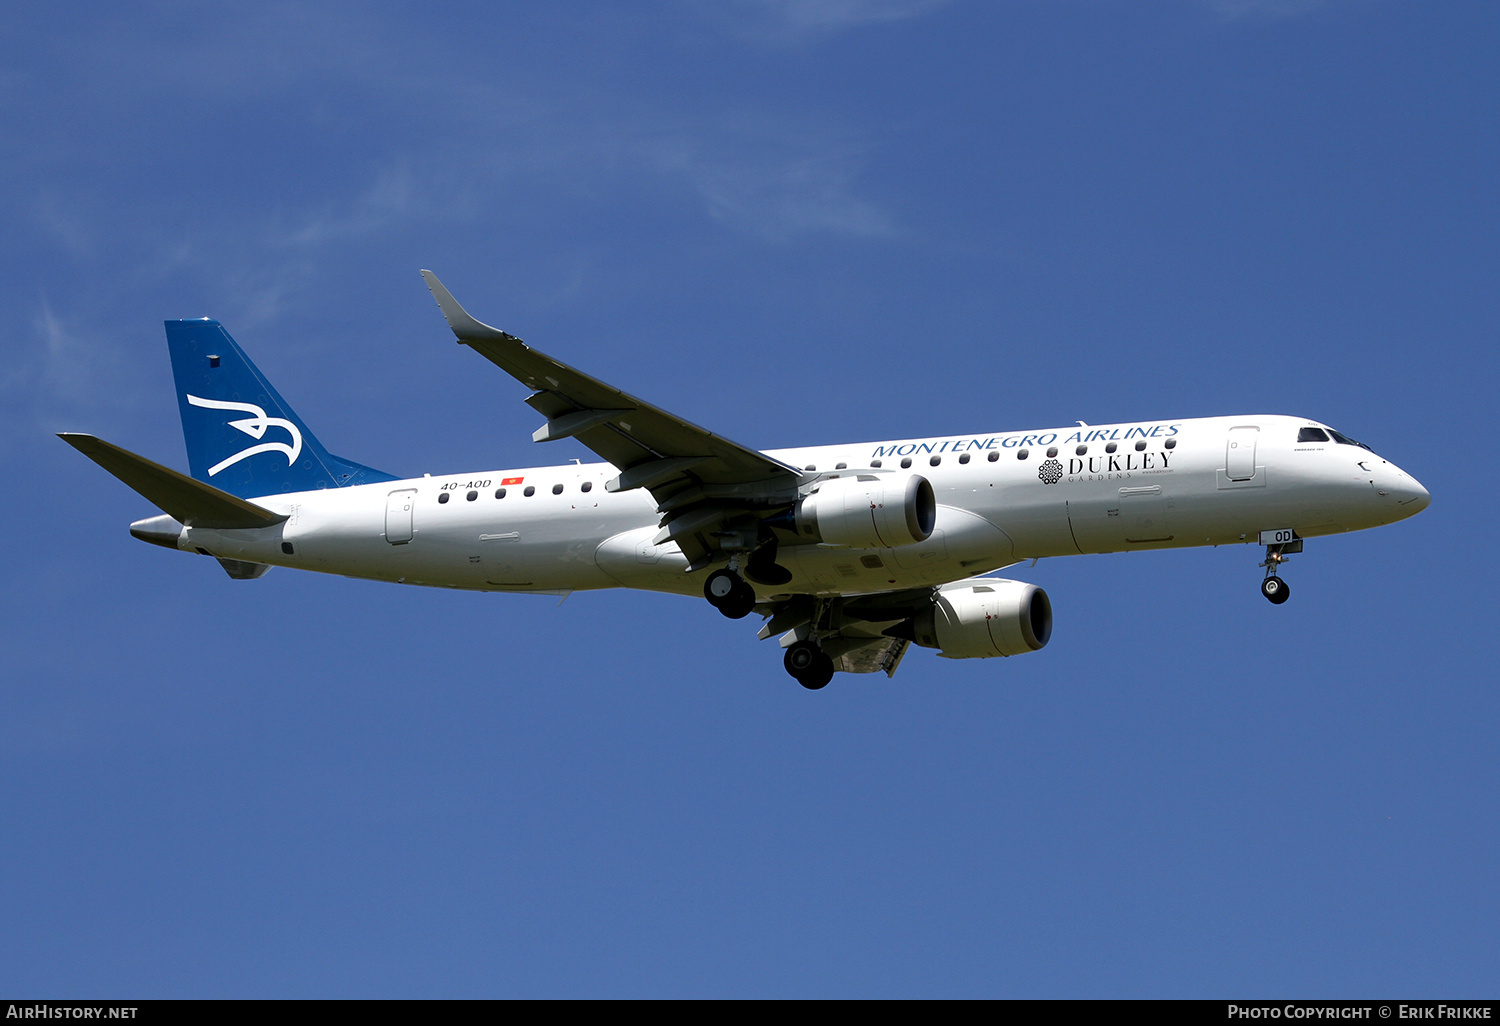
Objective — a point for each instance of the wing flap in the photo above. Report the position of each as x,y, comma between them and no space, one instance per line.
877,657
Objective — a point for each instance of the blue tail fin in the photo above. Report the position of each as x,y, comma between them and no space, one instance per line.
241,435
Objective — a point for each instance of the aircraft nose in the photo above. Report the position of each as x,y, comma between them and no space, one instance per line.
1419,498
1411,498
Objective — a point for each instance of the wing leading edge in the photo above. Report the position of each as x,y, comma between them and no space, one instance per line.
708,489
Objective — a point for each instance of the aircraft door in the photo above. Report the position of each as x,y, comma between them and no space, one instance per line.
398,511
1239,453
1120,519
1143,515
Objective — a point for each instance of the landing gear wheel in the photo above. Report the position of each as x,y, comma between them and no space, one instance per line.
719,586
1275,589
727,592
807,663
819,675
739,603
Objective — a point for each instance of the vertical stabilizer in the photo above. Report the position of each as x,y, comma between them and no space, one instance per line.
241,435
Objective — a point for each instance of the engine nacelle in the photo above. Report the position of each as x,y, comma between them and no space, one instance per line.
984,617
869,511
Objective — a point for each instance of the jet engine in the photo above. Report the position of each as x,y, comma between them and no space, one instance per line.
869,511
984,617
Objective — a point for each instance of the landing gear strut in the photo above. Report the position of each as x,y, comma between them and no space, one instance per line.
809,664
727,592
1274,588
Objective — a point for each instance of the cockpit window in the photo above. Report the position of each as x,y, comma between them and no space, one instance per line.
1312,435
1346,440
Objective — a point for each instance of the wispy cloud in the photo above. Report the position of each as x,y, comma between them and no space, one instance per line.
142,195
67,369
392,196
776,196
802,21
70,366
1235,10
289,244
62,225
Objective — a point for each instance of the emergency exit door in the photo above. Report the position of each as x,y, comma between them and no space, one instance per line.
1239,453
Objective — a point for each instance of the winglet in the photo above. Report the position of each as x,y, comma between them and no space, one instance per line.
465,327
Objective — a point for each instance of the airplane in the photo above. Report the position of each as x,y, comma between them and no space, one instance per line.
851,553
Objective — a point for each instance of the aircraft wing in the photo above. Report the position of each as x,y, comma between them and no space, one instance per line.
699,479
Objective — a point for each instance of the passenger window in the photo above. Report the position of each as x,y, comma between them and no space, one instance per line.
964,458
1171,443
1052,452
841,466
530,491
1140,445
472,496
587,486
1081,450
875,463
810,466
934,461
994,456
499,493
557,489
905,462
442,498
1020,455
1111,447
1312,435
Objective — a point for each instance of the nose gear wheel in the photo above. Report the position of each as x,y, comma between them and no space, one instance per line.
1275,589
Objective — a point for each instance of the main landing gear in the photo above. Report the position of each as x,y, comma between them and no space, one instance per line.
727,592
805,660
730,593
808,664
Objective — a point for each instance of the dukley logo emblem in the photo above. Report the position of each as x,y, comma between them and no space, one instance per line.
255,426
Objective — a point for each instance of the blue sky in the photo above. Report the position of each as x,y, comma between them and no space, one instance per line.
798,222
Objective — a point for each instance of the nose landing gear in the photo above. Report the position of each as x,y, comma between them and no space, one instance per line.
1274,588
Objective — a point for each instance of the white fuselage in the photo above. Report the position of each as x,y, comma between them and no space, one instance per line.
1166,484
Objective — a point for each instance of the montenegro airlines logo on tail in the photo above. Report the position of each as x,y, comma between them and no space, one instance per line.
254,426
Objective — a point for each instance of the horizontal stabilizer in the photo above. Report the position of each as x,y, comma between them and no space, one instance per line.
192,502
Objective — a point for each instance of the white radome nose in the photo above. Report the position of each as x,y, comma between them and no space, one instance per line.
1420,498
1408,492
